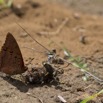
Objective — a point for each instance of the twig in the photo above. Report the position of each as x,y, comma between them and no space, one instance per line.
57,31
35,97
33,49
62,99
29,62
96,78
88,86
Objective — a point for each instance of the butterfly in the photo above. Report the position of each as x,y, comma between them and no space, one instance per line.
11,60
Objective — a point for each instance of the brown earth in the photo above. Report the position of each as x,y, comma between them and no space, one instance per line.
48,17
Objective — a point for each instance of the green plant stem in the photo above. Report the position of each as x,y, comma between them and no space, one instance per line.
84,70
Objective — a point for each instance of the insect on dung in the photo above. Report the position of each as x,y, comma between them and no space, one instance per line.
49,73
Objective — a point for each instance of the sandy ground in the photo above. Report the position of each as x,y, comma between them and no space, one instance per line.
42,22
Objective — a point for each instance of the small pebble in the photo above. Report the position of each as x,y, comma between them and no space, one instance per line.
82,39
76,15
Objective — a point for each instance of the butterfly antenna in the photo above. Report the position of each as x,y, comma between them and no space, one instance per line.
34,49
33,38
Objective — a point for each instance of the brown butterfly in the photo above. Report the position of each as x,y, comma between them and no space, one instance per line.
11,60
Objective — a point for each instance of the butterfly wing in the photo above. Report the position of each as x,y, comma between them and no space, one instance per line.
11,60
